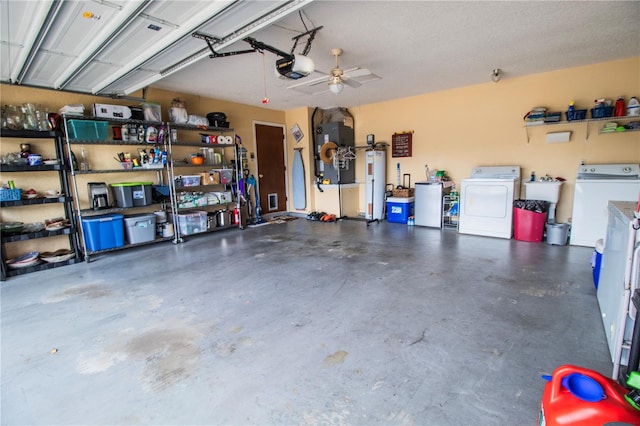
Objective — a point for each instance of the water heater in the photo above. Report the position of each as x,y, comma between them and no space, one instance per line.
375,181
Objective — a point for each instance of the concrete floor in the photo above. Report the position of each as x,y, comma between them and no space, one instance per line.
300,323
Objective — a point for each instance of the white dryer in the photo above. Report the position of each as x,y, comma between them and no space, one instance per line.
486,201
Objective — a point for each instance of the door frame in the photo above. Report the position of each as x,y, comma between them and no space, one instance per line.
286,158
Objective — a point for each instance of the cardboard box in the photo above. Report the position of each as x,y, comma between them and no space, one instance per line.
111,111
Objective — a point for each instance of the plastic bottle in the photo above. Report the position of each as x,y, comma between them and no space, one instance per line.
633,107
152,135
620,109
161,134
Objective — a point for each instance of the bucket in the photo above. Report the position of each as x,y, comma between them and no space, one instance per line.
528,225
557,233
578,396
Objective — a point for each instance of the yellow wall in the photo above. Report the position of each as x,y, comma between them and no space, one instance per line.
456,130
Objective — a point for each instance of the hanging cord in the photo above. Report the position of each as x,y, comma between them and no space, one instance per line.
265,100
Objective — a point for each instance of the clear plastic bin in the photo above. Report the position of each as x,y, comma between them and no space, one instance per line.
192,222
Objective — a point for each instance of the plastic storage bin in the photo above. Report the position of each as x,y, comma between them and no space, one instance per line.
103,232
399,209
132,194
141,193
190,180
528,225
192,222
596,261
602,112
577,114
140,228
88,130
10,194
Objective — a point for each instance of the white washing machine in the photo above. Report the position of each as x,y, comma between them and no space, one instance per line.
486,201
596,185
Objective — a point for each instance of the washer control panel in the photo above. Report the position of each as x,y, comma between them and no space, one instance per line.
609,171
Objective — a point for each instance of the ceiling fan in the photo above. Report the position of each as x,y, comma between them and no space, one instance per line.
336,79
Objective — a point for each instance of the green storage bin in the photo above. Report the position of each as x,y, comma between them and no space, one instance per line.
132,194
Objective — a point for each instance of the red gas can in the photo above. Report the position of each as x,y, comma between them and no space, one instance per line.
578,396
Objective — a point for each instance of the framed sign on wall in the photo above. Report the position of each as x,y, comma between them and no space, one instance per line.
401,144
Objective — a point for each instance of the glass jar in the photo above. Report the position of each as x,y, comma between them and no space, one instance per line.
14,117
30,121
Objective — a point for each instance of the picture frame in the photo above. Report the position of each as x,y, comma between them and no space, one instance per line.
296,132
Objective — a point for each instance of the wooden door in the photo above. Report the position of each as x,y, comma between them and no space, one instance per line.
271,168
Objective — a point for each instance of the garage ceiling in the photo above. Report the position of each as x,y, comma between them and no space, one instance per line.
117,47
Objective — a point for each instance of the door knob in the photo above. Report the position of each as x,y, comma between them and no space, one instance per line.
260,176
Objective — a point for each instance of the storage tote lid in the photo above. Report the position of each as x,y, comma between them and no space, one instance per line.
131,183
103,218
400,199
139,216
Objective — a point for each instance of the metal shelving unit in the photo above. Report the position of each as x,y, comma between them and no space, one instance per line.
161,177
65,200
449,219
176,164
165,175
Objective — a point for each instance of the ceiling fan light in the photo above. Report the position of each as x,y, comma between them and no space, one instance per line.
336,87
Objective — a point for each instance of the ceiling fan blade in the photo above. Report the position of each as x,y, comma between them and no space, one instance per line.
357,72
310,82
349,82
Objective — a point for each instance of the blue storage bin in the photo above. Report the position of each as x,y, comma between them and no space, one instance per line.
103,232
399,209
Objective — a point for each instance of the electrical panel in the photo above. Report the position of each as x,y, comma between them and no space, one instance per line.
342,136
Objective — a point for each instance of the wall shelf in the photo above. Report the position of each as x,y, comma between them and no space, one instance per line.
584,122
